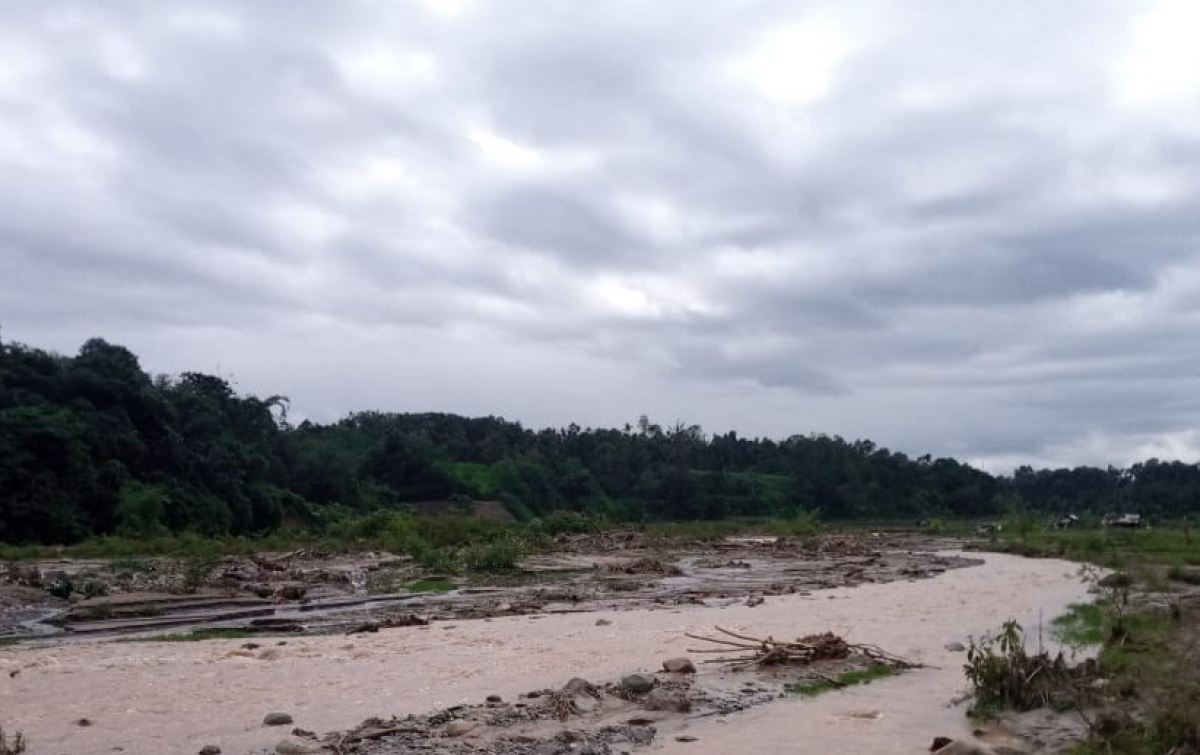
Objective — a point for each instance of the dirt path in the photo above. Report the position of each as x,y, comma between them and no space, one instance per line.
175,698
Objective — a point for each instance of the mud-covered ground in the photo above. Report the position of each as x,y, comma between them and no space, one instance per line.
499,684
314,593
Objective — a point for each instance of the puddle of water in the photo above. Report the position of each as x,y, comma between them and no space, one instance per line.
177,697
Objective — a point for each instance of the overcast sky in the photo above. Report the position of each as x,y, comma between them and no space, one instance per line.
961,228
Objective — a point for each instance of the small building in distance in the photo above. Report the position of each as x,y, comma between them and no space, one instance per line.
1131,521
1065,522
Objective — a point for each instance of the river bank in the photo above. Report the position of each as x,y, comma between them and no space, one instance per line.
179,697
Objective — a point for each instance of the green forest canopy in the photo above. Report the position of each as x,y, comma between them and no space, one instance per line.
91,444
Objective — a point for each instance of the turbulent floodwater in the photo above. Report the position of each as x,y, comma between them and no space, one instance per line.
167,698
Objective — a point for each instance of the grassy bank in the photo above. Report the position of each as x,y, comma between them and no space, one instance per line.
452,542
1142,696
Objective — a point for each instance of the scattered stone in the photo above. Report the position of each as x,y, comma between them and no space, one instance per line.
494,699
251,646
638,684
292,747
755,600
603,622
640,734
210,750
83,722
298,732
578,686
460,728
277,719
667,700
679,666
955,647
939,743
959,747
369,626
685,738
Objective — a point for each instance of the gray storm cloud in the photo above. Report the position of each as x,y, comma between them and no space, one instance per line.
965,229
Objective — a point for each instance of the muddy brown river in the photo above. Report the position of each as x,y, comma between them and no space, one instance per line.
167,698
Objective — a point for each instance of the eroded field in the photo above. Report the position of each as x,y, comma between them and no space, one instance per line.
304,592
489,673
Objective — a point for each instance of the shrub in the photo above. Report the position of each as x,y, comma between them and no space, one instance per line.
1004,676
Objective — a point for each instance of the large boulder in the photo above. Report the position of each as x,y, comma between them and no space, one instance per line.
679,666
638,684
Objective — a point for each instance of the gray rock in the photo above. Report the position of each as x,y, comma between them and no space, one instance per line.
277,719
679,666
460,728
685,738
638,684
585,704
641,735
959,747
296,747
667,700
955,647
603,622
210,750
578,686
755,600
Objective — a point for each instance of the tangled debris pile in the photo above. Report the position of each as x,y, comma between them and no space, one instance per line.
645,565
804,650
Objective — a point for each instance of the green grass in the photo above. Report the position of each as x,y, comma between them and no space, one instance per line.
1082,624
1105,547
196,635
430,585
814,687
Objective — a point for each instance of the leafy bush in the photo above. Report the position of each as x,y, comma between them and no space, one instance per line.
1003,675
496,556
803,522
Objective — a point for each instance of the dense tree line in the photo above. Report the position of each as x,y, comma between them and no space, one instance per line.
91,444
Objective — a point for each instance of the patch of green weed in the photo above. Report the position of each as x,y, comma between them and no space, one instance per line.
814,687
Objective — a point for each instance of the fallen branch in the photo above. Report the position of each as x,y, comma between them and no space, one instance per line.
804,650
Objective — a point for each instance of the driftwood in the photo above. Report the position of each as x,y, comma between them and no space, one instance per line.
756,652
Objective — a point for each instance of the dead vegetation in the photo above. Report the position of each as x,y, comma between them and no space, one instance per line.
645,565
756,653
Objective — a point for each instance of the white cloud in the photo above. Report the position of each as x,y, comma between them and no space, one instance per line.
956,229
794,64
